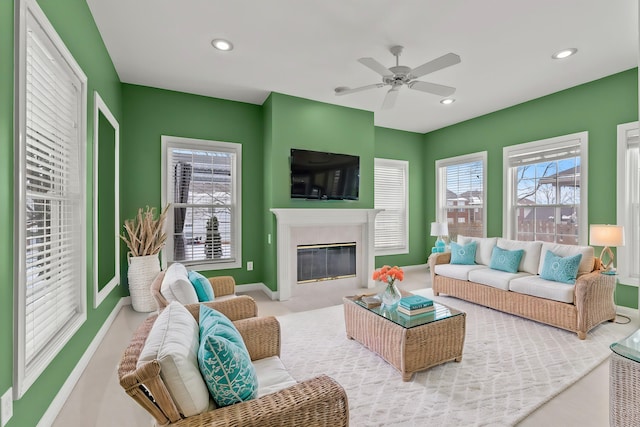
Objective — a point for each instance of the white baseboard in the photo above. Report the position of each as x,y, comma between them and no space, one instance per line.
65,391
415,267
258,287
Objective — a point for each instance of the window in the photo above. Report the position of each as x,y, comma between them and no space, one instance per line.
460,195
201,181
545,188
628,196
391,188
51,99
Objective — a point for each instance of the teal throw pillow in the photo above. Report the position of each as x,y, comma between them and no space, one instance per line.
560,269
463,254
202,286
214,322
504,260
227,370
224,361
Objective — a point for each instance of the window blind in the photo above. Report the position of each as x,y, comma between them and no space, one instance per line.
390,192
202,191
51,203
544,152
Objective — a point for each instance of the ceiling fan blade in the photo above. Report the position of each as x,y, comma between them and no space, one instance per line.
375,66
346,91
437,64
390,98
432,88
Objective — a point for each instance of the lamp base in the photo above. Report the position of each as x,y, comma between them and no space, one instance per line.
607,255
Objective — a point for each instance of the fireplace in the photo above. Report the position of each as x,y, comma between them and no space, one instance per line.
321,262
307,227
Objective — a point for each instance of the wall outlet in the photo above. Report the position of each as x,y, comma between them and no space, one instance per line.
269,238
249,265
6,407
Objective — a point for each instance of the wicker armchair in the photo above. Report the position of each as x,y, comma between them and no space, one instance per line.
320,401
224,287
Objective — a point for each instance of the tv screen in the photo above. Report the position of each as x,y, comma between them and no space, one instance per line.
324,176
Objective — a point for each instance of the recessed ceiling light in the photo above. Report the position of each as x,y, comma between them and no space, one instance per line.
222,44
447,101
564,53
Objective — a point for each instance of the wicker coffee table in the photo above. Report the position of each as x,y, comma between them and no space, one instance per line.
410,344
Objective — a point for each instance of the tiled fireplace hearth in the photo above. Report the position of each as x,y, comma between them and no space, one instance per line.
298,227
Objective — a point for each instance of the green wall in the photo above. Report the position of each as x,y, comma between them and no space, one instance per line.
597,107
75,25
400,145
150,113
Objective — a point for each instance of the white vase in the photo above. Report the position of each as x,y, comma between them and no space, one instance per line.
142,271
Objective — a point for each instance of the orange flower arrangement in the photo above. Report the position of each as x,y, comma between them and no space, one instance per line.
388,274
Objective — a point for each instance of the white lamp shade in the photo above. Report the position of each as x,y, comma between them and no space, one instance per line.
606,235
439,229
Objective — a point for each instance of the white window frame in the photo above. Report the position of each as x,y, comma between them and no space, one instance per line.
509,228
170,142
441,185
30,17
398,208
627,214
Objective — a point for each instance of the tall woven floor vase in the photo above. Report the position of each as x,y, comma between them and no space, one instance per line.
142,271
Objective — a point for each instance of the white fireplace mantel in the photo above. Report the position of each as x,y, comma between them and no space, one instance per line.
290,220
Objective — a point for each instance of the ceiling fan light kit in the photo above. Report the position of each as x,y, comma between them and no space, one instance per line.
400,75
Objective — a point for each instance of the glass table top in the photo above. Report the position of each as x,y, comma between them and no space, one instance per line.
628,347
439,313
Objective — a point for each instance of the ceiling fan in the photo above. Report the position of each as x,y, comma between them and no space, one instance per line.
403,75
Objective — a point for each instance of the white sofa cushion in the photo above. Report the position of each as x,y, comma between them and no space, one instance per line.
538,287
173,341
456,271
484,247
494,278
272,375
586,264
530,261
176,285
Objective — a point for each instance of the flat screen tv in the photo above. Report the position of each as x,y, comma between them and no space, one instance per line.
324,176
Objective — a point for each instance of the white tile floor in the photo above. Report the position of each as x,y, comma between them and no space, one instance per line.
98,400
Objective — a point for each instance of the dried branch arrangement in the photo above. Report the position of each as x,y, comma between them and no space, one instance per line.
144,235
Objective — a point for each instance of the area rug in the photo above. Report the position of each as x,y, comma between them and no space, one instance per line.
510,366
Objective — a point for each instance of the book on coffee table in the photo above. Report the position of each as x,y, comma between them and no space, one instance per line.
422,310
414,302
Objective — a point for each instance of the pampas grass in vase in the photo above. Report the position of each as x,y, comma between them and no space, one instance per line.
145,237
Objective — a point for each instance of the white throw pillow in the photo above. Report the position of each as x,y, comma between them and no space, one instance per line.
586,263
484,247
530,258
174,341
176,285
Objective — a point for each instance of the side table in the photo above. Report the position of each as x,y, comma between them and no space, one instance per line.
624,382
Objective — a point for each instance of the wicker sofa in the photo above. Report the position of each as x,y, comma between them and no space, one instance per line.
319,401
577,308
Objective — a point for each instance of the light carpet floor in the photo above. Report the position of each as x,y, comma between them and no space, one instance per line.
510,367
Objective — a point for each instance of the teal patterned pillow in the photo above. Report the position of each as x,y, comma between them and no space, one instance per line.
561,269
504,260
224,361
227,370
463,254
202,286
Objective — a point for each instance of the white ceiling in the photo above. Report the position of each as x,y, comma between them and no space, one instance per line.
306,48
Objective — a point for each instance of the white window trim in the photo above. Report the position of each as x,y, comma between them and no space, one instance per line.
404,248
441,189
24,376
169,142
509,191
623,258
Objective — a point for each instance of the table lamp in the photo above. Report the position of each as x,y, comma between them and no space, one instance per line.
606,235
440,229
